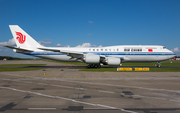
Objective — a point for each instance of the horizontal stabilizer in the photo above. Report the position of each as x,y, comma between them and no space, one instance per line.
21,49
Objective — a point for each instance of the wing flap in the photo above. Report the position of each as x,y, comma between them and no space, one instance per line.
46,49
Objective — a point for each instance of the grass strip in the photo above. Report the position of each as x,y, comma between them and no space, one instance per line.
20,65
19,69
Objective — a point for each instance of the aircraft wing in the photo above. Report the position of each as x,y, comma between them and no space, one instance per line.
62,51
73,54
20,49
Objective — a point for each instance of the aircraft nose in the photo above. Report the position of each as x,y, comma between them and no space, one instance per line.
171,54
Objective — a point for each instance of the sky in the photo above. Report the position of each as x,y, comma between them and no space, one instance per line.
92,23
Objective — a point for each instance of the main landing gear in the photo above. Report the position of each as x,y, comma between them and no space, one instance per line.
159,64
94,66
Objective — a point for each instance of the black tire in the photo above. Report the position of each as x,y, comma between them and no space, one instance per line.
158,66
89,66
96,66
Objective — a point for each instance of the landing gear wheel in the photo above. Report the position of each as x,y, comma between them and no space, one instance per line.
159,64
91,65
99,66
94,66
88,66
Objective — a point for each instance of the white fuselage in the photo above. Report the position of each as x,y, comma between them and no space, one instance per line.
127,53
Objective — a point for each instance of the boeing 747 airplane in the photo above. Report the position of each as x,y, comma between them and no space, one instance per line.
93,56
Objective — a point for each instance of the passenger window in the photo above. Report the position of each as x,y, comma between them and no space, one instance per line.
105,49
101,49
93,49
136,49
126,49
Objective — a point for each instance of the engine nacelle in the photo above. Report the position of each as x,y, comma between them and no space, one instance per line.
91,59
113,61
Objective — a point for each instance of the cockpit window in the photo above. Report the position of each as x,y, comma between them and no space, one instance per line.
164,47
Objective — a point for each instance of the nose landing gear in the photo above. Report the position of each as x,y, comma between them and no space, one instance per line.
159,64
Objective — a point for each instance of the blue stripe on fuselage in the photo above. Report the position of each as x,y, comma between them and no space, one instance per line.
106,53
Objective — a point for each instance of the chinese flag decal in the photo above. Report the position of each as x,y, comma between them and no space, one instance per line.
150,50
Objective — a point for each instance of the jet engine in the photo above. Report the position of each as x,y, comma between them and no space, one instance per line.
112,61
91,59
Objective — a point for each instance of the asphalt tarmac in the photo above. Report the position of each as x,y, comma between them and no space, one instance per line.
62,88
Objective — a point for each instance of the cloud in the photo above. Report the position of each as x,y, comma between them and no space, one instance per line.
44,42
85,45
176,51
88,45
11,42
59,45
90,22
89,34
100,46
5,51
